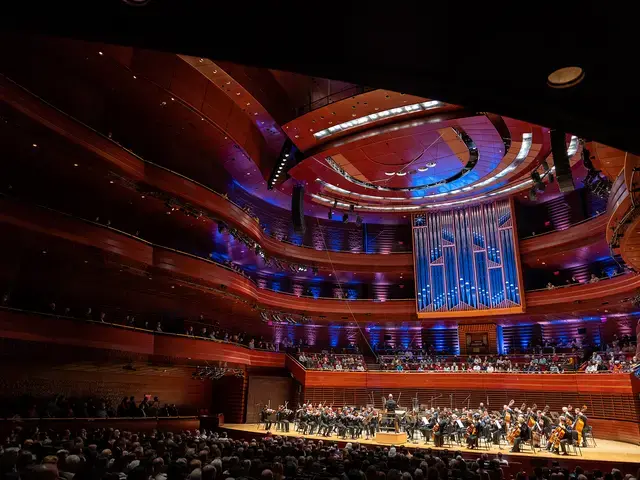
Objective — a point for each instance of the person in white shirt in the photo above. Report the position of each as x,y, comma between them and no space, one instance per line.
490,368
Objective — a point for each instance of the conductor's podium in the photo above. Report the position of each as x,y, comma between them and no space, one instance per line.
391,438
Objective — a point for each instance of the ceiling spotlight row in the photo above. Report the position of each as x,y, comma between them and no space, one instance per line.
412,172
392,112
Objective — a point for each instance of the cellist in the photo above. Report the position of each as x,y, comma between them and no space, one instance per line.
580,424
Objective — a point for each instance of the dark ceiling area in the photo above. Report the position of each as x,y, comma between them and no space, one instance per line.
489,58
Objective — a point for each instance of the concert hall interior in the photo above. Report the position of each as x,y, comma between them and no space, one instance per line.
361,251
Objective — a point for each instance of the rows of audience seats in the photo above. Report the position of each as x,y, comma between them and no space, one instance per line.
111,454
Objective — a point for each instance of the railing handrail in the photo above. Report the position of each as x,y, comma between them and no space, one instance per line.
579,284
205,259
556,230
173,172
135,329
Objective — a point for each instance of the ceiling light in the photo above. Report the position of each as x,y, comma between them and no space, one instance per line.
286,154
391,174
431,164
401,174
248,103
35,145
423,169
75,164
110,181
237,93
565,77
527,138
172,99
99,53
134,77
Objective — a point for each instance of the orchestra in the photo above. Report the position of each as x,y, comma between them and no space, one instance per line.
512,426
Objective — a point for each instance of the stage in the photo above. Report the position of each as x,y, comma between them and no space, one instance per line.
606,451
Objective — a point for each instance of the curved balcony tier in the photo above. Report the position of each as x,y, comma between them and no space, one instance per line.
204,275
219,206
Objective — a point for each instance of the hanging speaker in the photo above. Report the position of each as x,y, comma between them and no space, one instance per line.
561,161
297,208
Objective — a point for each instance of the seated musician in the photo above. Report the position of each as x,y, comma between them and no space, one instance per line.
439,430
580,426
473,430
556,443
525,433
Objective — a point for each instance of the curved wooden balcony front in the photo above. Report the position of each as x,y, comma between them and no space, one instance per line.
563,242
611,398
192,192
31,327
196,271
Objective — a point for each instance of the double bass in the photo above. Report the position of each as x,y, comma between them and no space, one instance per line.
558,434
579,424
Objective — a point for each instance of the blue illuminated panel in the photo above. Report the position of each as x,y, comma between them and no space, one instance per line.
466,260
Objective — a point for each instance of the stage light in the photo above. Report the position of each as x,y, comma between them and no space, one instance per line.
345,218
330,214
532,195
352,207
358,221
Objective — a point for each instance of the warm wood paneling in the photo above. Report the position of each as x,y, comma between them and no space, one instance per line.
64,331
192,192
82,380
265,389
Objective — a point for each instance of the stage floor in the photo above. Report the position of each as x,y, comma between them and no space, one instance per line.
607,450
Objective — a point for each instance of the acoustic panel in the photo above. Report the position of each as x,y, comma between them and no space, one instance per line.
467,262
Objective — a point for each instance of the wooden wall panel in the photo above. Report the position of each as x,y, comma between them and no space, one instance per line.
229,398
488,328
82,380
263,389
38,328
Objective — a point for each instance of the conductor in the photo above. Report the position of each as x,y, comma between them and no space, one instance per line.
391,404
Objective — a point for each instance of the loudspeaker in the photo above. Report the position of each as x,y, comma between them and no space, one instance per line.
561,161
297,208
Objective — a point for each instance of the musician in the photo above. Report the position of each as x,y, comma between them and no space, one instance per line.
562,430
566,412
580,426
473,431
266,416
324,423
391,404
426,427
439,430
280,419
410,422
523,436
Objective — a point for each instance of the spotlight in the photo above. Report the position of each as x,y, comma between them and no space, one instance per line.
330,214
352,207
358,221
532,195
335,203
345,218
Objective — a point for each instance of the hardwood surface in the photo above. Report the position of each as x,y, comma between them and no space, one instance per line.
607,450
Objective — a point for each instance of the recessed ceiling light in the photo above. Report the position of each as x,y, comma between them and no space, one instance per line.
229,82
391,174
201,60
134,77
431,164
75,164
237,93
565,77
35,145
99,53
423,169
110,181
401,174
297,136
172,99
255,113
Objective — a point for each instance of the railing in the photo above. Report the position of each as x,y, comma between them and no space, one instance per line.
557,287
208,260
598,214
135,329
173,172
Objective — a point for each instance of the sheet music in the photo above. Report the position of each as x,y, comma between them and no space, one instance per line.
424,420
498,424
459,422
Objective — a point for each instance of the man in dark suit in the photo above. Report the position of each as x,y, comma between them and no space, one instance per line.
525,434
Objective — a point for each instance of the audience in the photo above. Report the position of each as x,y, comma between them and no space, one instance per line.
200,455
326,361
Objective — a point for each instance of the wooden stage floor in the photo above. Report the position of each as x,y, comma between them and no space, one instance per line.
606,451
